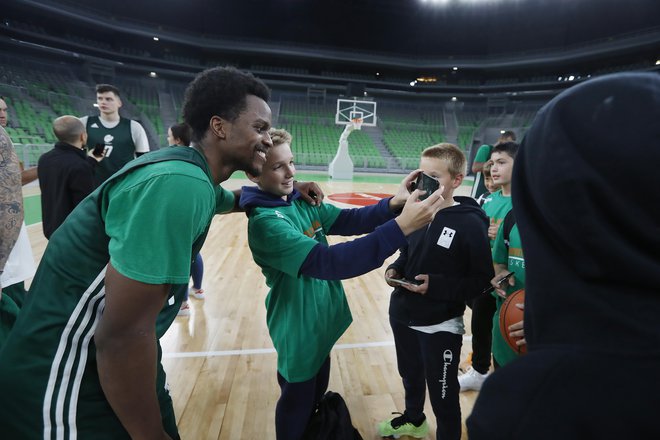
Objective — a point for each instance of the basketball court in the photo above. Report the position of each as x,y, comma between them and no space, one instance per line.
220,362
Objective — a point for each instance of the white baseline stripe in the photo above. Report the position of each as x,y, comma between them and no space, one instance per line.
196,354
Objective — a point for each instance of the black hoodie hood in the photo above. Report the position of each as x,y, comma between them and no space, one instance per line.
586,196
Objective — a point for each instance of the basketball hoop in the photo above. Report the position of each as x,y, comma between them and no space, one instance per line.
357,123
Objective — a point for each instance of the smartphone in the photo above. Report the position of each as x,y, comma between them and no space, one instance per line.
404,282
501,281
426,183
98,150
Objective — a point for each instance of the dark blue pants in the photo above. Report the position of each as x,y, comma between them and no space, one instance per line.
430,360
298,402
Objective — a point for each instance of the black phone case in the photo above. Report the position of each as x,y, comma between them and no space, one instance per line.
426,183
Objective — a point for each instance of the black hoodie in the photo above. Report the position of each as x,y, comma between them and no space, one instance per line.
586,200
454,251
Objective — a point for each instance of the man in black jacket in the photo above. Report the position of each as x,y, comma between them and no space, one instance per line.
450,264
66,173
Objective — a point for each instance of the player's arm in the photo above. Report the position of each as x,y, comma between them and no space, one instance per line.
11,198
126,352
480,159
139,138
310,192
29,175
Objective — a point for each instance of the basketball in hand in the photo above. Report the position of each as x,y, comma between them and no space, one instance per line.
510,314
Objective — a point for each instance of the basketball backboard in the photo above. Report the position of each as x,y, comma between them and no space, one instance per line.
349,109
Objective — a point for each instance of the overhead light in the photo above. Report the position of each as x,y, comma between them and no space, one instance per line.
571,78
412,83
657,63
502,132
454,68
95,105
156,39
365,93
559,78
453,98
377,73
153,74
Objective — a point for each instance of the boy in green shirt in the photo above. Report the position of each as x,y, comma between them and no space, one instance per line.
496,206
306,306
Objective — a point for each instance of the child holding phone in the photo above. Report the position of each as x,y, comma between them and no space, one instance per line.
306,306
451,259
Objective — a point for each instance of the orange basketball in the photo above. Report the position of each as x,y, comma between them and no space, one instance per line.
510,314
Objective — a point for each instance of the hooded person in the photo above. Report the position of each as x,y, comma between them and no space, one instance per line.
590,227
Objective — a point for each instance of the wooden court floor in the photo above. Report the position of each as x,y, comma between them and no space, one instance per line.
220,361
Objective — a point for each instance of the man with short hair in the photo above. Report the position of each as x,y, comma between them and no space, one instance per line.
66,175
84,358
122,139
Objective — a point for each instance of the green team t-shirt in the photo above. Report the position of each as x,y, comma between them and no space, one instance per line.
48,371
515,261
160,191
305,315
483,154
496,206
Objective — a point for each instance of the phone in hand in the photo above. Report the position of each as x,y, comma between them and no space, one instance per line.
98,150
501,281
426,183
404,282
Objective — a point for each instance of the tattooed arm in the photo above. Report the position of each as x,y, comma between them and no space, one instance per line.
11,198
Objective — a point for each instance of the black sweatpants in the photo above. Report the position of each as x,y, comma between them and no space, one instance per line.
430,360
298,402
483,309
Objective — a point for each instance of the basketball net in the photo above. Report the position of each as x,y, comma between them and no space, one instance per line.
357,123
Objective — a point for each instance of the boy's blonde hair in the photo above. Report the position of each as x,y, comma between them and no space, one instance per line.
451,154
280,136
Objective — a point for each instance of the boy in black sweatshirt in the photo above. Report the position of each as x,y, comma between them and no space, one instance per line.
451,261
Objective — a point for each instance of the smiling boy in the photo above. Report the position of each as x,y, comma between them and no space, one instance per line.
306,306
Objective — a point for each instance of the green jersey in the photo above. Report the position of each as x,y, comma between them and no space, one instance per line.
496,206
483,155
514,259
305,315
48,370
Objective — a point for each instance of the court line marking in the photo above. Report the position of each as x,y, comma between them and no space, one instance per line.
196,354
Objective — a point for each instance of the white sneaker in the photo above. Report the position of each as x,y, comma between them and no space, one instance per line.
471,380
197,293
184,310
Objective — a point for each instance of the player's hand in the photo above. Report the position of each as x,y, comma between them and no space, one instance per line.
517,330
403,193
500,288
310,192
416,213
422,288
